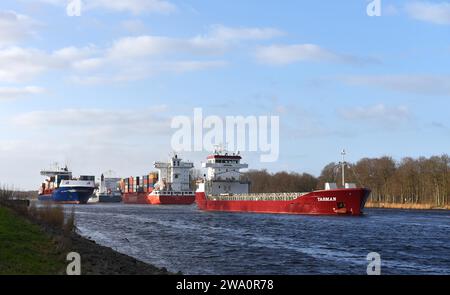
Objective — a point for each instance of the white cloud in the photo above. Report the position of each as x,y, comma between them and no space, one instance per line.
89,155
15,27
72,53
379,113
129,58
288,54
133,26
132,6
17,92
85,118
221,38
227,33
415,84
88,64
217,41
90,140
141,46
432,12
135,70
189,66
223,33
137,57
19,64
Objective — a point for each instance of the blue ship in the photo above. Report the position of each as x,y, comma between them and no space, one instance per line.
61,187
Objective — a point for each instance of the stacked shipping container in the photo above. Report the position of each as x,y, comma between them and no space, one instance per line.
139,184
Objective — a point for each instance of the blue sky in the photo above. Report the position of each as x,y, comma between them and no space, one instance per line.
98,91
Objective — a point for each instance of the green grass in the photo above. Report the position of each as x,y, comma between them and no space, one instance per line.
25,248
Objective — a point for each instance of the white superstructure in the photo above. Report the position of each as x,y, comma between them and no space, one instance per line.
223,175
89,183
174,176
58,177
109,185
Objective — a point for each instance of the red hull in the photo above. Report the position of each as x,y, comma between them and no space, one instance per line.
149,199
330,202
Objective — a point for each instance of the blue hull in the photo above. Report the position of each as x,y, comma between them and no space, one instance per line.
45,198
110,199
75,195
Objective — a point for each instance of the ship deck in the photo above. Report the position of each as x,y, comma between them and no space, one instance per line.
258,197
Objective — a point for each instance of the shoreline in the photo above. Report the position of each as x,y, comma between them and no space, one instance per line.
101,260
54,245
383,205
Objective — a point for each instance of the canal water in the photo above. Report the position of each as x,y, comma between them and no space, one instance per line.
182,238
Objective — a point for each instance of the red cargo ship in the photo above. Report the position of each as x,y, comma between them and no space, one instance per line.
224,190
170,186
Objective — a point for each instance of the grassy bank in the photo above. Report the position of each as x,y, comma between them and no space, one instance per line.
26,248
36,240
38,243
405,206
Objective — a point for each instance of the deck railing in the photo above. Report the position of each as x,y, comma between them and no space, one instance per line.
258,197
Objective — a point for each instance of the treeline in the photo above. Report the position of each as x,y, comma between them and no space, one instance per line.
281,182
409,181
7,193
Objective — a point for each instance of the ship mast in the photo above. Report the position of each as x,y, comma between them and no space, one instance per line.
343,163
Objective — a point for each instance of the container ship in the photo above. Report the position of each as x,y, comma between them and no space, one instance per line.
223,189
109,190
61,187
171,185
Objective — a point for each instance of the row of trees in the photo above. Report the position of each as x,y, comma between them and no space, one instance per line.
409,181
265,182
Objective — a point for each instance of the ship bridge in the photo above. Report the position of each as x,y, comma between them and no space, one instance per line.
174,174
223,175
225,167
57,171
